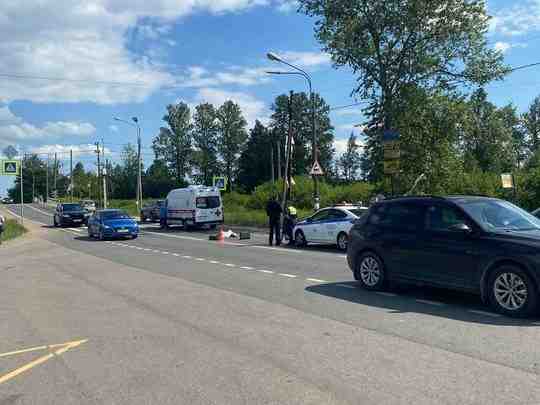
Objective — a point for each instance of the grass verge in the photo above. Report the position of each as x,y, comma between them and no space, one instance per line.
12,230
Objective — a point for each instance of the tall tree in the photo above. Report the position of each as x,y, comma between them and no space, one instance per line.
254,166
232,135
349,162
531,122
157,181
174,144
302,130
205,137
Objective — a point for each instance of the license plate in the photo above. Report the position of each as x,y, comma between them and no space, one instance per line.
123,231
77,220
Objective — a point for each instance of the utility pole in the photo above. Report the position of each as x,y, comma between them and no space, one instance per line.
272,170
98,172
22,190
314,147
286,177
71,173
47,180
33,186
55,175
104,177
139,180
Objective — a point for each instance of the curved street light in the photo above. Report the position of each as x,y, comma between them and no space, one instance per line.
299,72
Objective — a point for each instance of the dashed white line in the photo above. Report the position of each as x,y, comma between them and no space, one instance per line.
147,250
429,302
229,265
266,271
186,257
155,251
474,311
164,253
200,259
352,287
287,275
176,254
246,268
214,262
316,280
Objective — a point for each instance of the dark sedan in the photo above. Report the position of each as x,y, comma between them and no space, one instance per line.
112,223
70,215
477,244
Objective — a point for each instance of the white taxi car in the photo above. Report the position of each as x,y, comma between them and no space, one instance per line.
328,226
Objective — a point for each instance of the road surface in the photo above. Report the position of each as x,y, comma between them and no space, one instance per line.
172,318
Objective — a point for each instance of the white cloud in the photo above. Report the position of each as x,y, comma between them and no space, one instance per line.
288,6
306,59
198,76
86,43
506,46
340,146
19,132
516,20
252,108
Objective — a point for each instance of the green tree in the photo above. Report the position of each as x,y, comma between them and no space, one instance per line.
302,131
34,180
157,181
531,122
205,137
254,166
174,144
232,136
349,162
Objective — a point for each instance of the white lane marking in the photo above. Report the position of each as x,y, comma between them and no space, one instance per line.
429,302
266,271
386,294
176,254
486,313
25,218
139,248
155,251
38,210
230,265
200,259
287,275
346,286
147,250
316,280
186,257
245,267
277,250
164,253
75,229
174,236
214,262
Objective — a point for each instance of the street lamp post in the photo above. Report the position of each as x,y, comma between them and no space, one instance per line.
273,57
139,171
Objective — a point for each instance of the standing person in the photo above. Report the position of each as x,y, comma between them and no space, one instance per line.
2,222
289,223
273,210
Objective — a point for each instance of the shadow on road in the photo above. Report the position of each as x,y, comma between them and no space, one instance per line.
456,305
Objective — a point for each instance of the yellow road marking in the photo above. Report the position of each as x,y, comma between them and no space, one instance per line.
62,348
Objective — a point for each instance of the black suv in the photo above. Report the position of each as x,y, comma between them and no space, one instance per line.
70,214
477,244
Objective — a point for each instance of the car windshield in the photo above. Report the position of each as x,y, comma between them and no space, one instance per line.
358,211
114,215
494,215
72,207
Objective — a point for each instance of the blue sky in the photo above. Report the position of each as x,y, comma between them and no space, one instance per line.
190,50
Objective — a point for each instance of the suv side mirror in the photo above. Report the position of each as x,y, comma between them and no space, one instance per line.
461,227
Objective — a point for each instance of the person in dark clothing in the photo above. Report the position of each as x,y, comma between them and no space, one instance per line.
273,210
289,223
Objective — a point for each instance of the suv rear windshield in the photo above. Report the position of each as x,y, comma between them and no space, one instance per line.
208,202
72,207
400,216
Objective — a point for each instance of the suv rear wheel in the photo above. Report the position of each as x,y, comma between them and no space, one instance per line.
512,292
370,272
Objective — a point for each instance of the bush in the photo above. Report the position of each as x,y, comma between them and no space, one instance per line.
12,230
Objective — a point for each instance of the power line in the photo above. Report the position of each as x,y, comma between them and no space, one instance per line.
341,107
64,79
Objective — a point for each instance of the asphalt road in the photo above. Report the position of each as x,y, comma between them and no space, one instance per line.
174,318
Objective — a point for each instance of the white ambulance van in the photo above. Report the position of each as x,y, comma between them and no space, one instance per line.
193,207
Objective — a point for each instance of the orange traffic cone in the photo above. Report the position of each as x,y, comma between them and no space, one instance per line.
220,235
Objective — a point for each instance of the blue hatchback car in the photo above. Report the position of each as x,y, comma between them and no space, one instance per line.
112,223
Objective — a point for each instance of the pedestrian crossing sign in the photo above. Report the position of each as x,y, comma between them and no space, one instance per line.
10,167
220,182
